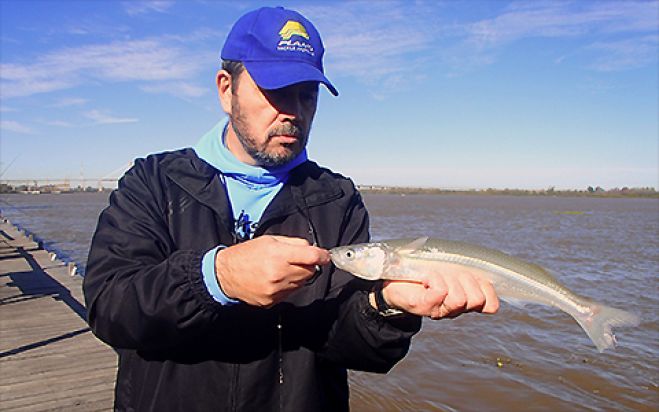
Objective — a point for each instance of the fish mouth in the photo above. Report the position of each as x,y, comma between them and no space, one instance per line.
334,257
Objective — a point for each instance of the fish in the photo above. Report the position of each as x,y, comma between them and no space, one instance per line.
514,280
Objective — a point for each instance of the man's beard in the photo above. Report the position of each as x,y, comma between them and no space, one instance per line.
261,155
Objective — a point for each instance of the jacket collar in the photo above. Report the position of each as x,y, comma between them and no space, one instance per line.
201,181
308,186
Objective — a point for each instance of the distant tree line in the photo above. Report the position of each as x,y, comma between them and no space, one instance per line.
590,191
596,191
6,188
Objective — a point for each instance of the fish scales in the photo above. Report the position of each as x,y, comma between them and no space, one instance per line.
499,263
491,256
514,279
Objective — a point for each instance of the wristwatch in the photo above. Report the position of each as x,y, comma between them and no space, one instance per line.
383,308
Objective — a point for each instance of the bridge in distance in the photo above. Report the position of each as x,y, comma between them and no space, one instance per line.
67,184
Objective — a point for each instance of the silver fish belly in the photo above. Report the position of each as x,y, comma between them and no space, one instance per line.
514,280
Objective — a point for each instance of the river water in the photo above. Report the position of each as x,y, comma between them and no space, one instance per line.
531,358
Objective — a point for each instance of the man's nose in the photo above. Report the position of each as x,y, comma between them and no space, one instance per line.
291,106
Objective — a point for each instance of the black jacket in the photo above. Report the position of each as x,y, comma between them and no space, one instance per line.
181,350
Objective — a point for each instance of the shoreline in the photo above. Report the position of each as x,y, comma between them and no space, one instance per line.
74,268
634,192
647,193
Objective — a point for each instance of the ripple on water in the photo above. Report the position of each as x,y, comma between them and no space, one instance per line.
517,358
534,356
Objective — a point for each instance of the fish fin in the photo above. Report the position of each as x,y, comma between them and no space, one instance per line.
413,245
518,303
599,321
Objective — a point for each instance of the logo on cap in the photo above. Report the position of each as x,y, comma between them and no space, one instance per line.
290,29
293,28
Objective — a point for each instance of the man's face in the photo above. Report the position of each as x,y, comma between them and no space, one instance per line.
272,125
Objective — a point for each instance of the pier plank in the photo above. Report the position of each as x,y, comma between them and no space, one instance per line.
49,359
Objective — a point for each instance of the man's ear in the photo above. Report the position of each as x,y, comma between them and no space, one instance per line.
224,90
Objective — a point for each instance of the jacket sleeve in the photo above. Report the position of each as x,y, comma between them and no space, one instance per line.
361,338
140,292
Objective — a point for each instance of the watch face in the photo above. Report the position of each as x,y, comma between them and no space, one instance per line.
391,312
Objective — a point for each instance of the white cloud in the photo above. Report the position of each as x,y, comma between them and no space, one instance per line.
562,19
581,21
390,45
16,80
13,126
182,89
133,8
92,26
70,101
59,123
376,42
136,60
198,35
100,117
626,54
124,61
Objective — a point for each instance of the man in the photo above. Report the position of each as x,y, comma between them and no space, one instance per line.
209,271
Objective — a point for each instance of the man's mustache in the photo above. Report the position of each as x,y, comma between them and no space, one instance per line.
287,129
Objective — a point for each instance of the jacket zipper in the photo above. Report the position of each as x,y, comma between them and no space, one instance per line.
259,230
234,389
280,353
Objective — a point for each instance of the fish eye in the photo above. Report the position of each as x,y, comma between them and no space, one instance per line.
350,253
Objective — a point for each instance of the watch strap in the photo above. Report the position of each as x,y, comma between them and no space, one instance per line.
383,307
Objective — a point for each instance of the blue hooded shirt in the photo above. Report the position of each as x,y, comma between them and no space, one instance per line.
250,190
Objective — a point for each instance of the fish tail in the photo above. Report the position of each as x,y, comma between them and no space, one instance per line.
598,322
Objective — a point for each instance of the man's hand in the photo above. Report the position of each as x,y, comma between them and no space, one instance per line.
264,270
443,295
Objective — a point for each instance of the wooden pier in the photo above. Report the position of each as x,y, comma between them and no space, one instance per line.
49,359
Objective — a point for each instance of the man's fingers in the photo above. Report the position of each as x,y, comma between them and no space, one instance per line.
307,256
491,298
436,291
301,275
296,241
474,293
456,300
435,313
466,293
298,251
263,270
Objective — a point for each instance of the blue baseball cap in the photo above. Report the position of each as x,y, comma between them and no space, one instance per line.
279,47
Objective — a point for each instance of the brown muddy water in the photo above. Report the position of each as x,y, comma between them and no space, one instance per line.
531,358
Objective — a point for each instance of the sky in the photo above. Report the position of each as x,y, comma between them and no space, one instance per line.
449,94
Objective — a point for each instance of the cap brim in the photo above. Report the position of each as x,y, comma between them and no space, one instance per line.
275,75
